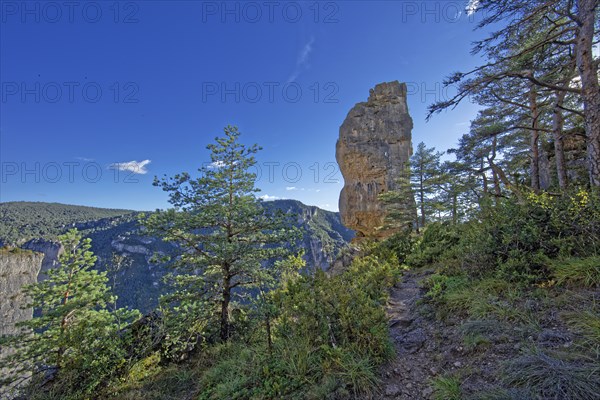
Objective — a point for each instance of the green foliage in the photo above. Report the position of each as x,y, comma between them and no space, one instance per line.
398,246
227,240
554,376
400,204
580,272
329,336
21,221
587,324
435,243
516,239
74,333
425,178
446,388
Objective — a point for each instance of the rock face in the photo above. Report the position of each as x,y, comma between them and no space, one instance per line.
17,269
373,148
49,248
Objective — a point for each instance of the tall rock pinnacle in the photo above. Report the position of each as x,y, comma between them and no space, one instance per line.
373,148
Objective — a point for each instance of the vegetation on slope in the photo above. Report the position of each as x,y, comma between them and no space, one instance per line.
520,285
242,319
22,221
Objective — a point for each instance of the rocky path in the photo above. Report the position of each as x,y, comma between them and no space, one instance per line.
408,376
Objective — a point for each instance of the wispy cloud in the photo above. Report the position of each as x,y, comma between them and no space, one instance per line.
302,60
84,159
291,188
136,167
266,197
217,164
472,7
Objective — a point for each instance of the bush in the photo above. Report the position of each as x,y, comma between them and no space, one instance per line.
329,336
400,246
436,244
516,239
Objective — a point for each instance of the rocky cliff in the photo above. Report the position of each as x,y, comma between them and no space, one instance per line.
17,269
51,250
373,148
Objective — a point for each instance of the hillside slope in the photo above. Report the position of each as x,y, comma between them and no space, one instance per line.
21,220
138,281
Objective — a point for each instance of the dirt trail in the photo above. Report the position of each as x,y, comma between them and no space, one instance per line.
408,376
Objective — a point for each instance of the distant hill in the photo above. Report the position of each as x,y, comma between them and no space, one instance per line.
138,283
21,221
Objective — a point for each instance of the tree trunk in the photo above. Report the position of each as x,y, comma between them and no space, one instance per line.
497,190
544,164
422,198
484,177
557,134
586,13
454,208
225,306
534,141
268,328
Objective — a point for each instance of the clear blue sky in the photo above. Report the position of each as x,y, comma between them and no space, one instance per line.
87,85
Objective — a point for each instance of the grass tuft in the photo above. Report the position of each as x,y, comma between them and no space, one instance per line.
551,377
579,272
446,388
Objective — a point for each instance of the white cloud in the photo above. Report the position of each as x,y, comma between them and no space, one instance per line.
472,7
85,159
291,188
136,167
302,60
266,197
216,164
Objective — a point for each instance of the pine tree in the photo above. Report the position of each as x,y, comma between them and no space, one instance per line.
226,236
400,205
540,44
73,333
425,168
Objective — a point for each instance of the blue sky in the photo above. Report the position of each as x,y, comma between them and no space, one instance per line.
99,97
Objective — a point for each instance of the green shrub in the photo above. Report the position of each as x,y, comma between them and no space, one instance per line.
435,245
399,246
329,336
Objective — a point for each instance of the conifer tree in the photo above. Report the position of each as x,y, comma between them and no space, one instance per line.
400,205
425,168
226,236
73,332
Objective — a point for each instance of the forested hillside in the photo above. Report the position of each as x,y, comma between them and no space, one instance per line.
22,221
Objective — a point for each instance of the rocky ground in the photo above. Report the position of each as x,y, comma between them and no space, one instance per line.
473,352
407,377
